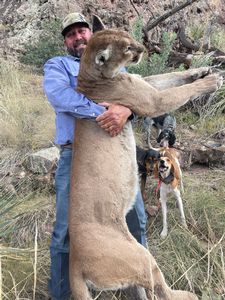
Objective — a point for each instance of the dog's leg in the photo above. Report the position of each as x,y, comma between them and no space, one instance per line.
180,206
163,199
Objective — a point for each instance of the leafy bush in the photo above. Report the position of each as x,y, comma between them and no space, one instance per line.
142,67
218,39
137,30
49,44
157,64
197,31
202,60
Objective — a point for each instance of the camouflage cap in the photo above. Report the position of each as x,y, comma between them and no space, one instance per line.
72,19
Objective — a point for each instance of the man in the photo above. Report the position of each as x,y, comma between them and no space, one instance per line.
60,80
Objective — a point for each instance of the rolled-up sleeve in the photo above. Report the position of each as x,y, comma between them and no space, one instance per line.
62,95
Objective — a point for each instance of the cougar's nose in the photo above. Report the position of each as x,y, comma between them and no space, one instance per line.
140,49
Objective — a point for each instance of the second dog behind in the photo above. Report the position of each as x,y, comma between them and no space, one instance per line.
147,161
165,125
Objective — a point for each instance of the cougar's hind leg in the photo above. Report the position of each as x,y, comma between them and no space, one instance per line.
78,286
116,263
158,288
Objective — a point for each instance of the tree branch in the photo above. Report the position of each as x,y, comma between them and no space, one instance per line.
162,18
131,2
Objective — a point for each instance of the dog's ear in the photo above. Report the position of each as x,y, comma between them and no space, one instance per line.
163,134
172,169
172,139
156,170
97,23
175,170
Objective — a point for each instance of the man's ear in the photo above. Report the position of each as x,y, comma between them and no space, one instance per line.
97,24
102,56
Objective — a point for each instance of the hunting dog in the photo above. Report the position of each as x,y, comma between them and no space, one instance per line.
169,173
165,125
147,160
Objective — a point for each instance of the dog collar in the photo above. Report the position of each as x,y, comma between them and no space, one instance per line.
168,179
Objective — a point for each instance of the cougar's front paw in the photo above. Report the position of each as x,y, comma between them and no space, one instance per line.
211,83
200,73
219,81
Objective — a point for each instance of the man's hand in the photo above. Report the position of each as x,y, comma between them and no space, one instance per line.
114,119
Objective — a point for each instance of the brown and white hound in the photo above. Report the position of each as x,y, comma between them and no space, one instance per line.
169,173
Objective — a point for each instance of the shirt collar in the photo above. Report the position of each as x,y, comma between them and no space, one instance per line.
74,57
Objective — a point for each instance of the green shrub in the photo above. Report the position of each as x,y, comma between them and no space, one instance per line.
217,36
49,44
196,31
137,30
142,67
157,64
218,39
202,60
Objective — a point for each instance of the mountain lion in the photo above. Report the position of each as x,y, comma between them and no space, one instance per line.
104,179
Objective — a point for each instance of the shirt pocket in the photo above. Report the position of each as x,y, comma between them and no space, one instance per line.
72,68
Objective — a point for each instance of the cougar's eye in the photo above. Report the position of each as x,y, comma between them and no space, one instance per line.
128,48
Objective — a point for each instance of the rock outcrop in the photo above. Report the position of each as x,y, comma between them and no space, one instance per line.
21,20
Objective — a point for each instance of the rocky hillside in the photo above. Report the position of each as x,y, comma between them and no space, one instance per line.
21,20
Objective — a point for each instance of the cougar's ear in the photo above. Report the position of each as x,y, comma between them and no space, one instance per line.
102,56
97,24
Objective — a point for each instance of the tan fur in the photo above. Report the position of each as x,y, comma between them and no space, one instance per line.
106,83
104,173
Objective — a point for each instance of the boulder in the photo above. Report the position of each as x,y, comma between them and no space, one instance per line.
210,153
42,162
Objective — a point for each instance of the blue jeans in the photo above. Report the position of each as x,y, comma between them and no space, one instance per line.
59,249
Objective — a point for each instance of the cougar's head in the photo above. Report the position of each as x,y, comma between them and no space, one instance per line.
110,50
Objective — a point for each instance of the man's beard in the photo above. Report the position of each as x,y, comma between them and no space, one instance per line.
76,52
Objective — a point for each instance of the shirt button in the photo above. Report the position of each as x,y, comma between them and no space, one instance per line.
75,110
93,114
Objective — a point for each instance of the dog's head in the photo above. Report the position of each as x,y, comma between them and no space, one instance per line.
166,138
165,166
151,159
168,168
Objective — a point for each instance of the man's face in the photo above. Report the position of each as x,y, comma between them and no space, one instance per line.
76,39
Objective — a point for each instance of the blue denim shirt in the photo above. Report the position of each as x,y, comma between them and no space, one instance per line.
60,81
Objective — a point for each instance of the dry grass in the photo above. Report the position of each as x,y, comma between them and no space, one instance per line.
194,259
191,259
26,119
